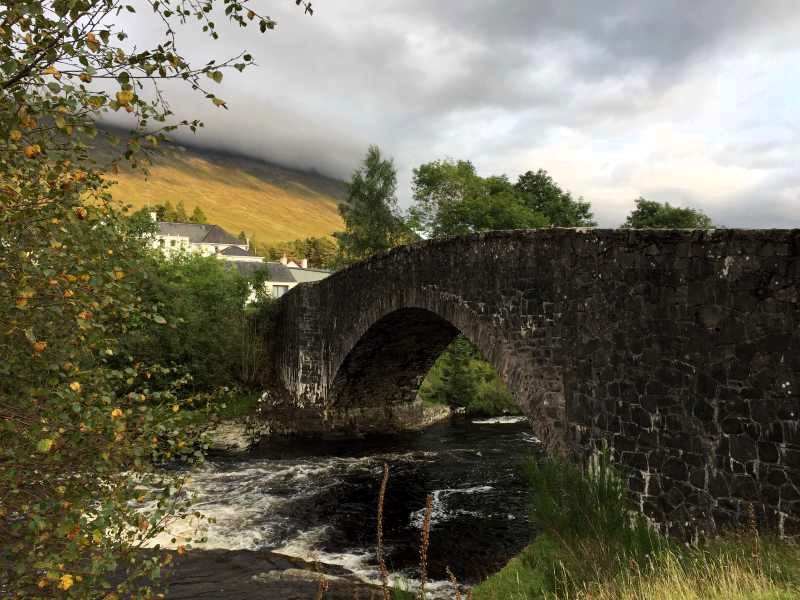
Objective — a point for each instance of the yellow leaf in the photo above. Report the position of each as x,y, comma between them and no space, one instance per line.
32,151
175,408
15,135
218,102
65,582
75,386
124,97
116,413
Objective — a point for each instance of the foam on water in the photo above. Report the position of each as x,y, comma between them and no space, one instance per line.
439,509
500,420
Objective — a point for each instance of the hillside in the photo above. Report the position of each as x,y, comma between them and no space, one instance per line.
267,201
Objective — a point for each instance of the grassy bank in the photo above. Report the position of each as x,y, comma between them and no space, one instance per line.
593,546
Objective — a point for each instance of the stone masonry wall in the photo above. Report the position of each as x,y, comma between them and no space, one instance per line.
678,349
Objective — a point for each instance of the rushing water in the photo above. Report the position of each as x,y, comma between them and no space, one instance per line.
317,500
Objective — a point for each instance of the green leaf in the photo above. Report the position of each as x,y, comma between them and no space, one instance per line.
44,445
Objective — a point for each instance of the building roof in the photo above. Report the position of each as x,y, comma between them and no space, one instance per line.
246,268
307,275
198,233
235,251
279,273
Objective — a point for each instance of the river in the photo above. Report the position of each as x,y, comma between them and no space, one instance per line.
317,500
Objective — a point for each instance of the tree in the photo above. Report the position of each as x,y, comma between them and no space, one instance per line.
541,194
180,213
461,378
82,422
198,216
372,220
205,297
450,198
655,215
242,237
166,212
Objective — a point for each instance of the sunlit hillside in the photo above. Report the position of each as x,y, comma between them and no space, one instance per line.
269,202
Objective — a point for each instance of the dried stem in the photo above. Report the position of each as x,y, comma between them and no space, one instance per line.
454,581
423,548
381,559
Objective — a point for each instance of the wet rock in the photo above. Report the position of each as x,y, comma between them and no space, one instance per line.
259,575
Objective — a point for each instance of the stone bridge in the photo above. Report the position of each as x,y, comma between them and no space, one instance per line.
678,349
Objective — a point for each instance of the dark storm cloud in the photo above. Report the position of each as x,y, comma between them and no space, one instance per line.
478,79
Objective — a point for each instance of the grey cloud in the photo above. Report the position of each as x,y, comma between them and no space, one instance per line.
424,78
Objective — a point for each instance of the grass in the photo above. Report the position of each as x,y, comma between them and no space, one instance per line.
242,404
592,546
721,570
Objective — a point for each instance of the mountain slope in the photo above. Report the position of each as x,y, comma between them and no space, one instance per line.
266,201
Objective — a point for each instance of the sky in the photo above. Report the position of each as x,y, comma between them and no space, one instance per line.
692,103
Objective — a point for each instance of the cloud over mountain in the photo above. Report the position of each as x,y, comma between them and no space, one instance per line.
688,102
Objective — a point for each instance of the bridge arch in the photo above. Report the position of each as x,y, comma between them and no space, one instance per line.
678,349
387,363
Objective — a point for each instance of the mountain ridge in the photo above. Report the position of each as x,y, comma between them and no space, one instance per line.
271,203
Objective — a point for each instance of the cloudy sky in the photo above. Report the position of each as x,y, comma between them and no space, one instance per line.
692,102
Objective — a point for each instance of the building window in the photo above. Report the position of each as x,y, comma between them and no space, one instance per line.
172,243
279,290
161,242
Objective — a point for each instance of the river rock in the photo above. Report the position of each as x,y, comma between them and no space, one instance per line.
260,575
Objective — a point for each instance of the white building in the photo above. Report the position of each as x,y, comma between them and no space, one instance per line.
281,276
197,238
212,240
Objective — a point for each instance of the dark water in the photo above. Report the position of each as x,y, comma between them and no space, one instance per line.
318,499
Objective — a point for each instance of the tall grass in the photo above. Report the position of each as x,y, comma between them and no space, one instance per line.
586,513
591,545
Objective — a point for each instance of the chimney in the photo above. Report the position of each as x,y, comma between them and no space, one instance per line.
304,263
284,260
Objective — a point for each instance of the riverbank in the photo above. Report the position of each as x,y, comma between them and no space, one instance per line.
243,428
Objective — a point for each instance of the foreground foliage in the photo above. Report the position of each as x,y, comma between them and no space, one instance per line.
85,422
591,545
